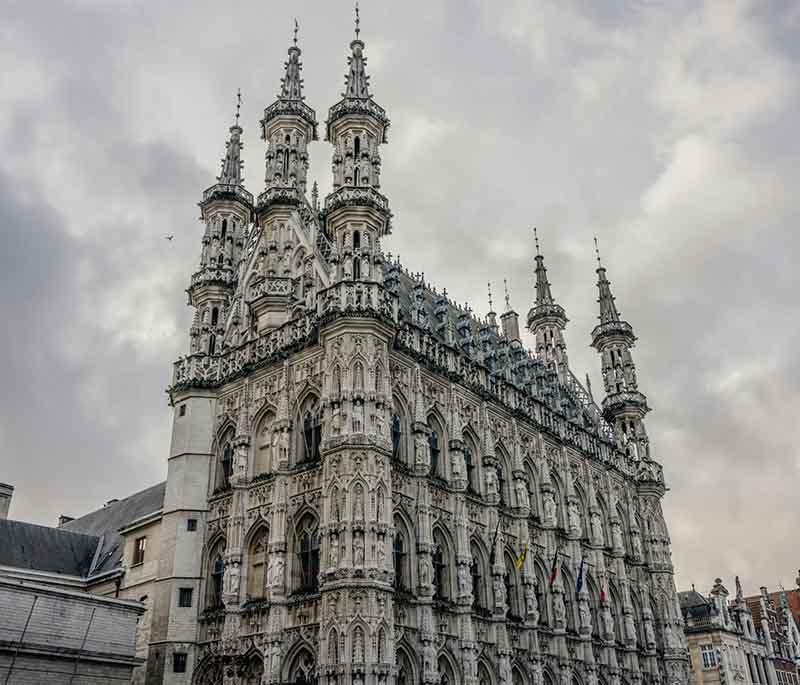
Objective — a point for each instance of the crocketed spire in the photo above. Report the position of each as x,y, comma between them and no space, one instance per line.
545,307
231,173
292,84
608,310
357,84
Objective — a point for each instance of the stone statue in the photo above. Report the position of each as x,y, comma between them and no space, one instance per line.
424,571
549,506
463,580
608,623
616,536
505,671
559,610
275,660
275,571
232,577
649,634
491,481
584,616
630,629
522,494
636,544
381,553
358,418
336,421
597,528
530,601
358,504
499,591
358,549
334,551
573,519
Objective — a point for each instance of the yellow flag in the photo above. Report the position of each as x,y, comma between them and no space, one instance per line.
521,559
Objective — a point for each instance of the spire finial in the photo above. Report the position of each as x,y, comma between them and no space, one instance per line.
358,21
238,104
296,29
597,253
508,300
536,241
491,305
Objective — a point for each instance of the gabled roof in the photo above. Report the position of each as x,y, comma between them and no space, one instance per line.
107,521
42,548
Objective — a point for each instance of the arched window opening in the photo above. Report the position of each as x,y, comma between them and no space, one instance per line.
356,240
303,670
358,376
266,441
501,484
381,645
357,148
221,260
212,344
224,229
356,268
397,436
311,431
308,554
399,555
439,574
215,580
356,176
483,675
225,465
512,591
477,580
214,316
256,565
433,446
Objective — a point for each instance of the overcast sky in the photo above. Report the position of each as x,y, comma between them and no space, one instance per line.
667,129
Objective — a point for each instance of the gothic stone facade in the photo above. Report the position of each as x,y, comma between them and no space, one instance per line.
382,481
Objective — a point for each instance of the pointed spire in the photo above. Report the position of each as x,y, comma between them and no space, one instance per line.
491,304
608,310
543,294
357,83
507,298
291,83
231,173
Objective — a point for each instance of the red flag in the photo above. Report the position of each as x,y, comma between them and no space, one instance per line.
554,569
603,593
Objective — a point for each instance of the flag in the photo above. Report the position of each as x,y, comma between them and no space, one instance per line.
521,559
494,543
602,593
554,569
579,582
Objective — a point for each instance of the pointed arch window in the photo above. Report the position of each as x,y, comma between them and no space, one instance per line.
226,465
215,585
310,432
357,147
264,445
477,583
356,267
288,142
356,240
308,554
399,555
256,563
214,316
224,229
433,445
469,463
212,344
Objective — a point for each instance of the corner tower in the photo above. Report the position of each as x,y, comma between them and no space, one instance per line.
624,406
226,210
357,214
547,321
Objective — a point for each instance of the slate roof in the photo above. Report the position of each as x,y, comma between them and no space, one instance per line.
42,548
107,521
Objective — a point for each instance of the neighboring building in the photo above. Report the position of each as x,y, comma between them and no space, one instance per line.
724,645
368,484
6,493
780,632
111,552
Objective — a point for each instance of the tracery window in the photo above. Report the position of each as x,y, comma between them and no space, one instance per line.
256,564
265,443
216,574
439,574
477,581
399,554
307,550
469,463
310,434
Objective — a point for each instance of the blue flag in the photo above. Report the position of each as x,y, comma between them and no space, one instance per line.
579,582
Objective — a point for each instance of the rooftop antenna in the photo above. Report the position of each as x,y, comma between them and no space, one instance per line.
597,253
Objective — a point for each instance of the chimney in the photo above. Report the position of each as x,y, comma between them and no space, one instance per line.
64,519
6,492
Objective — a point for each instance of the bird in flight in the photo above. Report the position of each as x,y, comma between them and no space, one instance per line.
169,237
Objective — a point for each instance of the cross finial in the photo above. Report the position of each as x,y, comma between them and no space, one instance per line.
597,253
238,104
491,305
296,29
508,301
536,240
358,21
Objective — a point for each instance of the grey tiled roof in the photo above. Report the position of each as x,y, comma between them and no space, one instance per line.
107,521
42,548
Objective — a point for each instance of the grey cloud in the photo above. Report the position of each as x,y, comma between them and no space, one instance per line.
562,115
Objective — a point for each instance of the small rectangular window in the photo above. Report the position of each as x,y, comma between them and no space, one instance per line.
138,550
191,525
179,662
182,410
709,656
185,597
